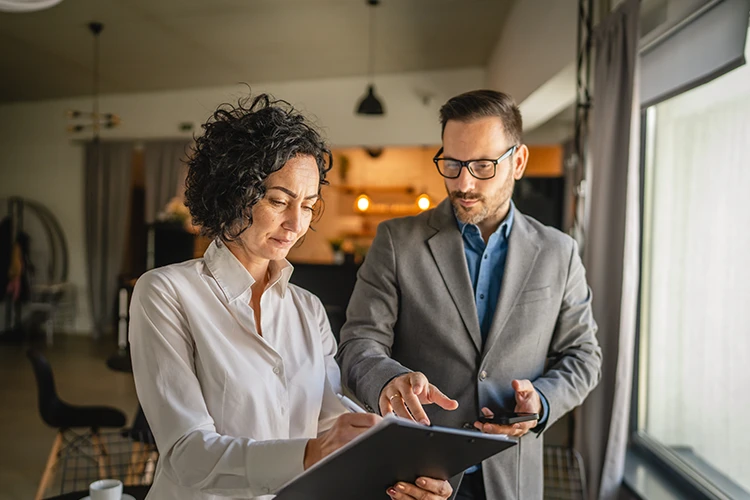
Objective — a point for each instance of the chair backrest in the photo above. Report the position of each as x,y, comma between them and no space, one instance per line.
141,431
45,383
564,474
333,284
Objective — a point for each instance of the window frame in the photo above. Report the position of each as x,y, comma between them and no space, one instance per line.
654,454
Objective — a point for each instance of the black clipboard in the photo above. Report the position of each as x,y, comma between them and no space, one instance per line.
394,450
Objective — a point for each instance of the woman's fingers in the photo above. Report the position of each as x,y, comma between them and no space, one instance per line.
514,430
425,489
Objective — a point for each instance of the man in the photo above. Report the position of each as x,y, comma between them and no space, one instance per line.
475,300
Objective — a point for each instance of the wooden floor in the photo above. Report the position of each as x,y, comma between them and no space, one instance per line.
81,377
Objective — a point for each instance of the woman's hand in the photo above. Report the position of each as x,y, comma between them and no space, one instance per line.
347,427
425,489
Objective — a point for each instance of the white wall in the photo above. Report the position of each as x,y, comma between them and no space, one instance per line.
555,131
537,41
39,160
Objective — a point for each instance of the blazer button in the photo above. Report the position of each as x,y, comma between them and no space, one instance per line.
483,375
468,425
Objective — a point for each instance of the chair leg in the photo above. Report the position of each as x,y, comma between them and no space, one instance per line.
134,468
102,456
50,467
49,328
150,467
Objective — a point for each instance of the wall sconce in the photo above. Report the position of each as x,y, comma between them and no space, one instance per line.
424,202
362,203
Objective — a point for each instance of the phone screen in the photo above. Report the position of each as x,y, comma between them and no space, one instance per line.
509,418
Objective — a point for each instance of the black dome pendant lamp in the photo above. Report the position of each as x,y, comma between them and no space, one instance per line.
370,104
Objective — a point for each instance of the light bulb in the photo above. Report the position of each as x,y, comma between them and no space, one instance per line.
362,203
423,201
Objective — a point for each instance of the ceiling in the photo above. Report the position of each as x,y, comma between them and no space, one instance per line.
151,45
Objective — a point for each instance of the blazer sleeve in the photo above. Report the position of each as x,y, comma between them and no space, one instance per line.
575,356
367,337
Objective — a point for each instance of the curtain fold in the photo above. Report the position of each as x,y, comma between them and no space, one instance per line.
611,247
165,174
107,192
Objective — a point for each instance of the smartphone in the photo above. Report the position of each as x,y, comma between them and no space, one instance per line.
508,418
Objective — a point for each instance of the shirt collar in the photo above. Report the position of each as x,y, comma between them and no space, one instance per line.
232,276
503,229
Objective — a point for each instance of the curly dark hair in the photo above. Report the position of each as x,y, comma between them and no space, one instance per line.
240,147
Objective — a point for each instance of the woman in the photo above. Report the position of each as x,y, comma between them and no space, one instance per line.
233,364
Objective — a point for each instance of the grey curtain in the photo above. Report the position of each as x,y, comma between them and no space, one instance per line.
610,249
165,174
107,192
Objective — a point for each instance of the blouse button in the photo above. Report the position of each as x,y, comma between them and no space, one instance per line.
276,370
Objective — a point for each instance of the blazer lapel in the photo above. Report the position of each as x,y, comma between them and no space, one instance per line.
447,249
523,251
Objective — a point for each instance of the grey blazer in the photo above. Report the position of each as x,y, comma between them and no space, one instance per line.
413,309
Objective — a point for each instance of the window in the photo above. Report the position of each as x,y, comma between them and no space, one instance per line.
693,398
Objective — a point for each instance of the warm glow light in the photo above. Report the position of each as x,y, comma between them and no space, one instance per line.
423,202
362,203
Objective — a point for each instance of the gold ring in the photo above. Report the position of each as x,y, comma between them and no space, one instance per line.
394,396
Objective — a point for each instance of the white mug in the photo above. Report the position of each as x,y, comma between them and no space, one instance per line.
106,489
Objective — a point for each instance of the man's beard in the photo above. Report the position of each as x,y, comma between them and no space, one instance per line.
485,208
473,215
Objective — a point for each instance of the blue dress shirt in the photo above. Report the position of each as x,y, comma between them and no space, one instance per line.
486,263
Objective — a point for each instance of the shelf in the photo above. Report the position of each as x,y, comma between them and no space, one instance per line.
359,234
395,209
369,190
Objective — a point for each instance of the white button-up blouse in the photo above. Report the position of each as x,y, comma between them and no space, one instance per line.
231,411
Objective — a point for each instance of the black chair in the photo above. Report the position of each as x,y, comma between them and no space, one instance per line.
64,417
564,475
143,454
333,284
140,430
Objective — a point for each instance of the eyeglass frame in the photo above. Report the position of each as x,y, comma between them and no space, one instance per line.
463,164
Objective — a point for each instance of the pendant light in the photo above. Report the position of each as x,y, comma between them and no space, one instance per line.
26,5
370,104
93,119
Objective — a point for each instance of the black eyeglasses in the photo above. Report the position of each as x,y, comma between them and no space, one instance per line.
481,169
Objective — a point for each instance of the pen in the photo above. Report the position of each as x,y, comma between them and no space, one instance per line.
350,405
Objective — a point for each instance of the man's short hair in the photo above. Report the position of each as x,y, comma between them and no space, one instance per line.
481,104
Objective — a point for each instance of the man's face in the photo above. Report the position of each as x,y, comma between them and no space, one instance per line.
482,202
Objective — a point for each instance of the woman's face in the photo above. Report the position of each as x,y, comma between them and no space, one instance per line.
283,215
